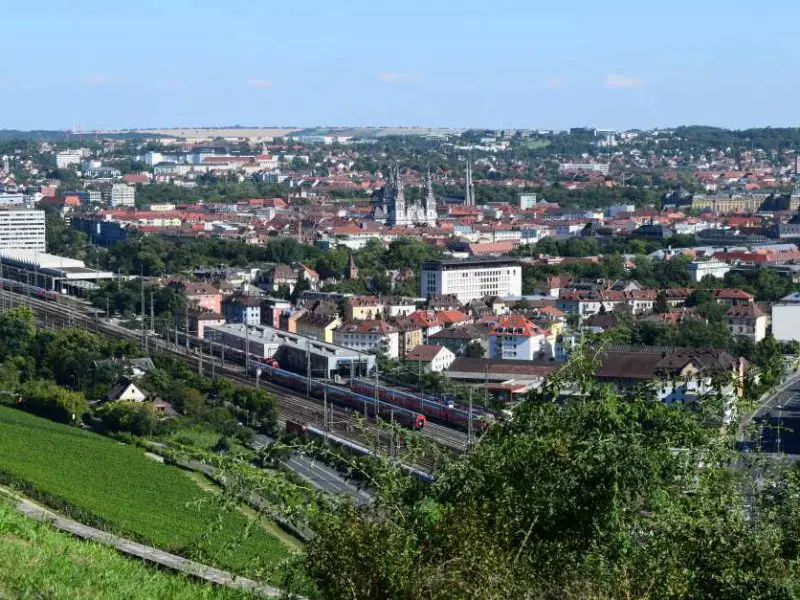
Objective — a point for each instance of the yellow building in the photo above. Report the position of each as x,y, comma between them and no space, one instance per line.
363,308
318,327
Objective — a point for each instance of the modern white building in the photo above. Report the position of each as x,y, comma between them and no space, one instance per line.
786,318
68,158
700,268
22,229
527,200
120,194
589,167
471,279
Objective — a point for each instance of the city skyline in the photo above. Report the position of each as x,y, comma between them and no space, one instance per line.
156,65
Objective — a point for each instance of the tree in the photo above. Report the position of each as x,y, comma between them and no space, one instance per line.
17,331
660,306
474,350
48,399
588,499
68,357
130,417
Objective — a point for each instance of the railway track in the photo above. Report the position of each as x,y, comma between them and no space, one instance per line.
290,405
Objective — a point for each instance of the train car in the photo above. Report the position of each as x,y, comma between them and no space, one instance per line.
344,397
431,408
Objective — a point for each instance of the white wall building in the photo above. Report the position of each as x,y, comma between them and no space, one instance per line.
369,335
527,200
786,318
121,194
68,158
472,279
22,229
700,268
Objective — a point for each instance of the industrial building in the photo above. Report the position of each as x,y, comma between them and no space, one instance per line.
291,350
50,272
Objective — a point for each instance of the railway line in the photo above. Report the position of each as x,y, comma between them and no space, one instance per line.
291,405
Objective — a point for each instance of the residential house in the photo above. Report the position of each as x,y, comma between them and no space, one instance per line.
677,375
514,337
289,318
202,294
430,359
375,335
409,335
396,306
426,320
199,319
363,308
453,318
242,308
456,339
747,320
318,327
280,276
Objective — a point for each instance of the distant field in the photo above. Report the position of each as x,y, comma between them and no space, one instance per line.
537,144
104,483
60,567
232,132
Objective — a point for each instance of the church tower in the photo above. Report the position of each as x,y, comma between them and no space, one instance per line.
469,197
395,197
352,269
430,201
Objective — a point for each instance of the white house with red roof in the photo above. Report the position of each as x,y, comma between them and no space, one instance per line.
514,337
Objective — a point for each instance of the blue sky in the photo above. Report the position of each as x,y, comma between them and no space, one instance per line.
508,63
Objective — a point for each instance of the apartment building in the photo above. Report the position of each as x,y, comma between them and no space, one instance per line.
369,335
472,279
516,338
120,194
22,229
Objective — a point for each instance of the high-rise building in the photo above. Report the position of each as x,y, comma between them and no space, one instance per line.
120,194
22,229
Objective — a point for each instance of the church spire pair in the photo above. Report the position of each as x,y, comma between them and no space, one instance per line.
469,197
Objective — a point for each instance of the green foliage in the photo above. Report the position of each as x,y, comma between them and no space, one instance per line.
130,417
60,567
17,330
47,399
584,497
111,485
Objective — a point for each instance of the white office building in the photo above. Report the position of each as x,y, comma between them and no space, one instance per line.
68,158
472,279
22,229
700,268
120,194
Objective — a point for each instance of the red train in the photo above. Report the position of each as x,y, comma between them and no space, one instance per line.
434,409
344,397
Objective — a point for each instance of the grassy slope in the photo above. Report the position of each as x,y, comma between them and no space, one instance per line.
101,480
60,567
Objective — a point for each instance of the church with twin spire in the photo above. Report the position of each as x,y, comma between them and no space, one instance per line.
393,208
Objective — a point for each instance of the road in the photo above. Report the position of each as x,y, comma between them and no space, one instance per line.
775,425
